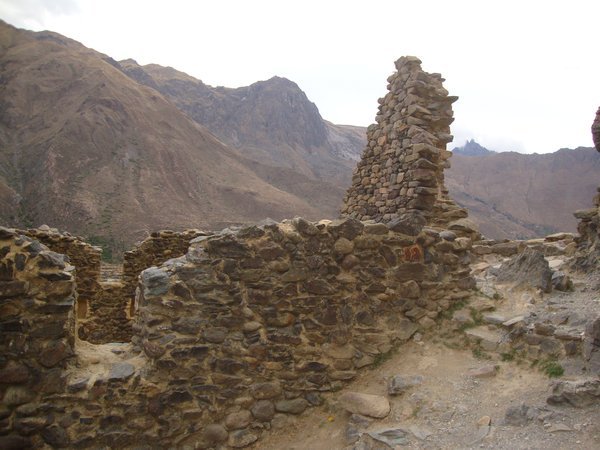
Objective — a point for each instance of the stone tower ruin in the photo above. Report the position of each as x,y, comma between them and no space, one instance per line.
401,173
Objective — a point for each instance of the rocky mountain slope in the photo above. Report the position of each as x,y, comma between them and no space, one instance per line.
512,195
86,148
270,121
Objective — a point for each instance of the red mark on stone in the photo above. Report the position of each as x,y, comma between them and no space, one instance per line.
414,253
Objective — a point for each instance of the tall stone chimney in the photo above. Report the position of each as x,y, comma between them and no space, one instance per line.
401,173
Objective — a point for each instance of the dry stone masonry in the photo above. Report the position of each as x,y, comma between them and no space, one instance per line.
401,171
261,322
37,298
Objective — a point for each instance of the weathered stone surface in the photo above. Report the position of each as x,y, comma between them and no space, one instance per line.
578,393
561,281
520,415
399,384
591,346
487,338
156,282
369,405
241,438
263,410
215,433
54,353
17,395
14,373
261,391
13,288
237,420
528,268
294,406
121,371
55,436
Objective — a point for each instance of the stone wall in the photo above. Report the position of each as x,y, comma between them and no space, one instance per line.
85,257
109,317
401,170
258,323
153,251
37,296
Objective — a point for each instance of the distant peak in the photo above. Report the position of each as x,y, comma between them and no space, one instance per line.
129,61
472,148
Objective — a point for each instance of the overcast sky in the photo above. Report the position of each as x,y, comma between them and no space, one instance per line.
526,72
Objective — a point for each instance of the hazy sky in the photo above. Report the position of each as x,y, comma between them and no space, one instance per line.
526,72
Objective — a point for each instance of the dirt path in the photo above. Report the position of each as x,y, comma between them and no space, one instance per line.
443,412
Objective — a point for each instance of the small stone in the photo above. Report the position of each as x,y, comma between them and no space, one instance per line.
448,235
17,395
55,436
263,410
214,433
294,406
305,227
343,246
261,391
391,436
369,405
237,420
241,438
251,326
14,373
484,421
558,427
487,371
399,384
513,321
121,371
561,281
78,385
54,353
215,335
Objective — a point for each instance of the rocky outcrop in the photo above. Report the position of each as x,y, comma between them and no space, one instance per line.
401,173
589,220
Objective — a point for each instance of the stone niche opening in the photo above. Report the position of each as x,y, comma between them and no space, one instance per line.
81,308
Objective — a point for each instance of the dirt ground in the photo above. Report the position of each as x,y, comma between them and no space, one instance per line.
443,412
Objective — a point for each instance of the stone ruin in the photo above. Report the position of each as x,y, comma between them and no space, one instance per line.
224,334
401,173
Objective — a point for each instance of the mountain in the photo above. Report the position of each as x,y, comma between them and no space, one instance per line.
112,150
86,148
513,195
270,121
471,148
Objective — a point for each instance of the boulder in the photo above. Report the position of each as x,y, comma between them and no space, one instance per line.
529,268
369,405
